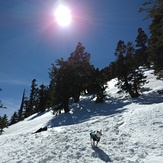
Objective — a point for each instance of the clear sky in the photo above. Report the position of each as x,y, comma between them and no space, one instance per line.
31,40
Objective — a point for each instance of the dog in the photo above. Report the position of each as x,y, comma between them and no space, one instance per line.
95,136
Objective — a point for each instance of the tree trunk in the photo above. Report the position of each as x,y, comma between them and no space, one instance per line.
66,105
129,90
76,97
132,94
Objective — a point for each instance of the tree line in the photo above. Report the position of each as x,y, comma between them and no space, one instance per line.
69,78
76,76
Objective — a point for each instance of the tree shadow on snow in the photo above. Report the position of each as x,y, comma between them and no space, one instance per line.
85,109
100,154
37,115
151,98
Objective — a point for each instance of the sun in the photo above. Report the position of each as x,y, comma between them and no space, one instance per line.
63,15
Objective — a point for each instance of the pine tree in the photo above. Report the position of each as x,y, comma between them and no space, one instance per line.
111,70
70,78
20,111
51,94
155,12
1,101
3,123
14,118
130,77
26,112
141,55
1,105
79,61
42,96
31,104
5,120
97,80
33,99
61,82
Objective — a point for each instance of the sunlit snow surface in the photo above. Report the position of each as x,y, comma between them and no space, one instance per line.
132,131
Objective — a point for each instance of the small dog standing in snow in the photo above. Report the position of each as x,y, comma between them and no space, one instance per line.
95,137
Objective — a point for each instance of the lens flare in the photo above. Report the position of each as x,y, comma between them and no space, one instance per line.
63,15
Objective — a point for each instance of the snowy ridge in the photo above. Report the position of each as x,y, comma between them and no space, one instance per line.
132,131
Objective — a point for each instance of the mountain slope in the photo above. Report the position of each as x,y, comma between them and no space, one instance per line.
132,131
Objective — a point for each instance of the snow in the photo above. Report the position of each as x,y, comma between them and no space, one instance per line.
132,131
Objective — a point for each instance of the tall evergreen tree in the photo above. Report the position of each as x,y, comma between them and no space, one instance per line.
97,82
1,105
20,111
42,96
3,123
70,78
112,70
142,57
79,61
51,92
5,120
130,77
33,99
1,101
26,112
32,103
14,118
61,82
154,8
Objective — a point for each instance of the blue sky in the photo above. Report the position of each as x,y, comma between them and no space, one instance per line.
31,40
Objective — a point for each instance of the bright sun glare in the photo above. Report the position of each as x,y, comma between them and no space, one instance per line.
63,15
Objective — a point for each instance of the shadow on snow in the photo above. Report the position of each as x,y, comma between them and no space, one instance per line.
151,98
100,154
85,109
37,115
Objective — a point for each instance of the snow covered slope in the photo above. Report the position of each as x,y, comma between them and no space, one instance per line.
132,131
